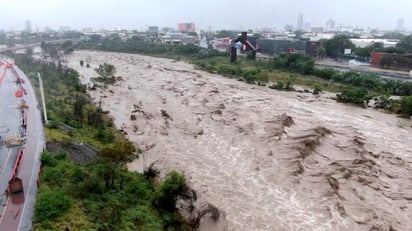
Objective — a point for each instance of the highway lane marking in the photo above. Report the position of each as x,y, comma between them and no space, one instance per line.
8,156
5,163
4,208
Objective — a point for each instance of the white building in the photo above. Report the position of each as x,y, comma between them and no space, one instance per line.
370,41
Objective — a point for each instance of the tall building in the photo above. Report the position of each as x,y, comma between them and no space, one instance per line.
299,25
288,28
400,24
28,26
186,27
330,25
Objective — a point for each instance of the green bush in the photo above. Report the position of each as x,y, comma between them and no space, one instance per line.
295,62
50,205
48,159
325,73
280,85
167,195
317,90
358,96
105,136
406,105
53,176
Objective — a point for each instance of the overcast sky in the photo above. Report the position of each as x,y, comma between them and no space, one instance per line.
217,14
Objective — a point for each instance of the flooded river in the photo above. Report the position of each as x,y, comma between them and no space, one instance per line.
269,160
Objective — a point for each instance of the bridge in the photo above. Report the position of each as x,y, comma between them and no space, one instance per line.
32,45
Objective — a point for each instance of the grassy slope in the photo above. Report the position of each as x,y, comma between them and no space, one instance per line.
75,195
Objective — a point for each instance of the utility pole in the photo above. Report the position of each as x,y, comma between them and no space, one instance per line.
43,101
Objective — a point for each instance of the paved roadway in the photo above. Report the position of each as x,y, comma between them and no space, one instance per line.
17,209
346,66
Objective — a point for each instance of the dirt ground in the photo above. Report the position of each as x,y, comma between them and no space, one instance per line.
269,160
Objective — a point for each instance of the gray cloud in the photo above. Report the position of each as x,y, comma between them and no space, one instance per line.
218,14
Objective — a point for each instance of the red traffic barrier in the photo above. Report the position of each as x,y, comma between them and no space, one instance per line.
19,93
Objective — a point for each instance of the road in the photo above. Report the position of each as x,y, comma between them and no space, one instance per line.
25,46
17,209
345,66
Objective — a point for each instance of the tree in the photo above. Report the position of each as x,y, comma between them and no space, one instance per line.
53,52
115,36
67,47
117,155
49,49
43,46
167,195
321,52
94,38
295,62
336,45
405,45
364,52
95,118
29,51
226,33
393,35
78,106
105,70
120,152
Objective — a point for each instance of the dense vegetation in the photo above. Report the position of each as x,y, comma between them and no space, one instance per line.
78,197
336,46
138,46
98,194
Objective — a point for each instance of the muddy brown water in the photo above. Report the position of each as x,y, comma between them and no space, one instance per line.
269,160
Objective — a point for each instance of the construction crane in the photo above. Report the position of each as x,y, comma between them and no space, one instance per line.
242,39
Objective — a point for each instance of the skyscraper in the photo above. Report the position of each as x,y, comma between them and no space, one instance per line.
399,25
299,25
330,25
28,26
